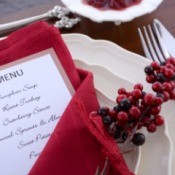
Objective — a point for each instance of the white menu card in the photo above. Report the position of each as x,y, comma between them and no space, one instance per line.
34,93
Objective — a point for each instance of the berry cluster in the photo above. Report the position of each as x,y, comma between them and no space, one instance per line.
137,109
133,111
162,77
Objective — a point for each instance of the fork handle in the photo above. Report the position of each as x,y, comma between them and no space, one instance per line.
22,22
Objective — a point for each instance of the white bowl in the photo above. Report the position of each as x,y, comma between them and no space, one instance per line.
146,6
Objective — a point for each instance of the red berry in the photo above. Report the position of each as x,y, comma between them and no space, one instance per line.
171,60
163,69
112,114
131,99
122,117
142,107
172,84
166,96
150,78
155,110
169,73
167,86
155,65
146,120
149,99
172,95
158,101
159,120
120,98
122,91
138,86
151,127
128,94
169,65
136,93
157,87
134,112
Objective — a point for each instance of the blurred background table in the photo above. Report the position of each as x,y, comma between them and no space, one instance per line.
125,35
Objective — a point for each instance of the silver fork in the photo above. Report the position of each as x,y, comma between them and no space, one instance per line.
152,44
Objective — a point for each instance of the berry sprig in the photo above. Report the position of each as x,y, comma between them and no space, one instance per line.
162,77
133,111
137,109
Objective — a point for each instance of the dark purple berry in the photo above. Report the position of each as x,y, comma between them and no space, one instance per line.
117,108
160,77
125,104
138,139
103,111
149,70
107,120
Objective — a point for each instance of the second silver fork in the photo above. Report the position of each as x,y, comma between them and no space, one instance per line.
153,47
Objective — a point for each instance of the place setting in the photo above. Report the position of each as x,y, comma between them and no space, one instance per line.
74,104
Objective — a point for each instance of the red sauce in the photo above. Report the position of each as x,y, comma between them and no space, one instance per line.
111,4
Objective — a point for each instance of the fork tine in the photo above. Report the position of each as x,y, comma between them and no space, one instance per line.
150,46
162,45
144,45
157,49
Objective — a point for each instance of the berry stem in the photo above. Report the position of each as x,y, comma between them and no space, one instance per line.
124,145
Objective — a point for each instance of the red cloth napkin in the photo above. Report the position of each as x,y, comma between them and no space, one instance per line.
42,38
78,144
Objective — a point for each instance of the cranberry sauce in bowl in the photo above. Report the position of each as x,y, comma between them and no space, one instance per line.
111,4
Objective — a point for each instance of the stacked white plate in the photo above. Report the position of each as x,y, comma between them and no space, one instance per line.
114,67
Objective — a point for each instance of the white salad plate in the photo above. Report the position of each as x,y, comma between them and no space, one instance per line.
118,16
126,68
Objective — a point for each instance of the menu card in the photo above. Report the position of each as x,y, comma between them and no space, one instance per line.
34,92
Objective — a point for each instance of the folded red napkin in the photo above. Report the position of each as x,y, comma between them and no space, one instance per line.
78,144
41,39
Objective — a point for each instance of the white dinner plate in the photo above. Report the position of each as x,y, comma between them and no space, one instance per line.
156,153
112,82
